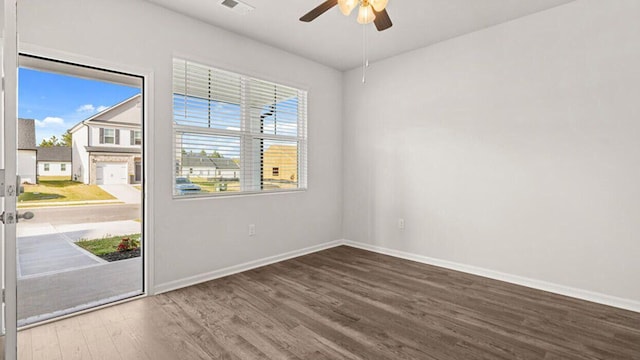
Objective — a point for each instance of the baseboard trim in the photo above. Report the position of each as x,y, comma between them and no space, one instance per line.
200,278
469,269
496,275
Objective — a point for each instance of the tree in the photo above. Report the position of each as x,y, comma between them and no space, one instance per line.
203,153
216,154
52,141
66,139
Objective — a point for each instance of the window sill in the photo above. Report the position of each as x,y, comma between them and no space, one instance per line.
231,194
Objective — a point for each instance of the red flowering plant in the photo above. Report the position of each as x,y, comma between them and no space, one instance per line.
127,244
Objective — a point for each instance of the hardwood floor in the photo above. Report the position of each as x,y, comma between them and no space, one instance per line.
344,303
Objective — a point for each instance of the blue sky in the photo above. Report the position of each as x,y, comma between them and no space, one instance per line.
58,102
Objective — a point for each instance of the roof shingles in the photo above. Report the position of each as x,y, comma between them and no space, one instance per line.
26,134
54,154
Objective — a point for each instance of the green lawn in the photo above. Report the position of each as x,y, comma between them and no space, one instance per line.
211,186
62,190
105,245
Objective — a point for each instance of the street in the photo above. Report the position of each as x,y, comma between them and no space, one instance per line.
83,214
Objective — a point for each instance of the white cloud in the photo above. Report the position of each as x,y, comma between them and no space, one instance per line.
88,108
50,121
91,109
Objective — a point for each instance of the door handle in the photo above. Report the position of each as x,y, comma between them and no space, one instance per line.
27,215
11,218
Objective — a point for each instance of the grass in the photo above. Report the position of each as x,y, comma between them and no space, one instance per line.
211,186
62,190
53,178
105,245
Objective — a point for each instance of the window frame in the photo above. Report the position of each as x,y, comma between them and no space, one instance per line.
134,138
104,136
247,157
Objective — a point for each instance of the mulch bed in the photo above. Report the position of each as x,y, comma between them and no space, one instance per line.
121,255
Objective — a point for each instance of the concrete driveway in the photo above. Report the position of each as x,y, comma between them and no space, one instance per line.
123,192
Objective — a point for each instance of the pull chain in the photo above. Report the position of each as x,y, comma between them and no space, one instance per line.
365,61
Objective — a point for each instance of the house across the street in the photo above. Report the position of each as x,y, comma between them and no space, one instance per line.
27,150
199,165
54,161
107,147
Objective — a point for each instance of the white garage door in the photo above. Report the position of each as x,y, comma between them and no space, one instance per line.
111,173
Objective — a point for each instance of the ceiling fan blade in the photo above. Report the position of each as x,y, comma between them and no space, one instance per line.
382,21
321,9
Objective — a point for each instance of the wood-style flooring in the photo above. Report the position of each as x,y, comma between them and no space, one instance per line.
344,303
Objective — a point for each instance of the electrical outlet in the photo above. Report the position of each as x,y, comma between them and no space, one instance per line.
401,224
252,229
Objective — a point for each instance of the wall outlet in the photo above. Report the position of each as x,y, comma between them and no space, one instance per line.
401,224
252,229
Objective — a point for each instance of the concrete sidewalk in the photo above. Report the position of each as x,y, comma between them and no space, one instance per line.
51,253
46,248
125,193
47,296
42,204
56,277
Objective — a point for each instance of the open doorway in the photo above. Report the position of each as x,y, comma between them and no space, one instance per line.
81,160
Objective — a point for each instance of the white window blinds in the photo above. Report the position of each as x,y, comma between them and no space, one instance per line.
236,134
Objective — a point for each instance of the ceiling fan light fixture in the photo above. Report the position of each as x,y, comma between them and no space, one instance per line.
347,6
379,5
365,15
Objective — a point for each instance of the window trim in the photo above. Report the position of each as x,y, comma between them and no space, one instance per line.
103,136
246,138
133,138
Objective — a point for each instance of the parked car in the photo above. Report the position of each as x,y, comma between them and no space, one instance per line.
184,186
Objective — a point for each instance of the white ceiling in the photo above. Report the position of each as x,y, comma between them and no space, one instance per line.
335,40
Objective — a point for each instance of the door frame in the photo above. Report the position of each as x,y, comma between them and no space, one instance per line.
147,77
9,161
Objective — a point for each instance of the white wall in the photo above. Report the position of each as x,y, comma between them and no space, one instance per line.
27,166
194,237
515,149
79,155
55,169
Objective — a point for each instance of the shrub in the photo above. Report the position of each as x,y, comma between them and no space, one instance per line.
127,244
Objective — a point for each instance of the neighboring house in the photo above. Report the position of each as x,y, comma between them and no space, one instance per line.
27,150
107,147
54,161
198,165
280,162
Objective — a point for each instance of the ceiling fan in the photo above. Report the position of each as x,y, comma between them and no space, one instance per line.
370,11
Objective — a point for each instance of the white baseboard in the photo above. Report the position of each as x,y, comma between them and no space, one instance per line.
621,303
200,278
595,297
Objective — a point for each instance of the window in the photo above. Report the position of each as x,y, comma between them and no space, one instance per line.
136,137
63,167
109,136
46,167
250,133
